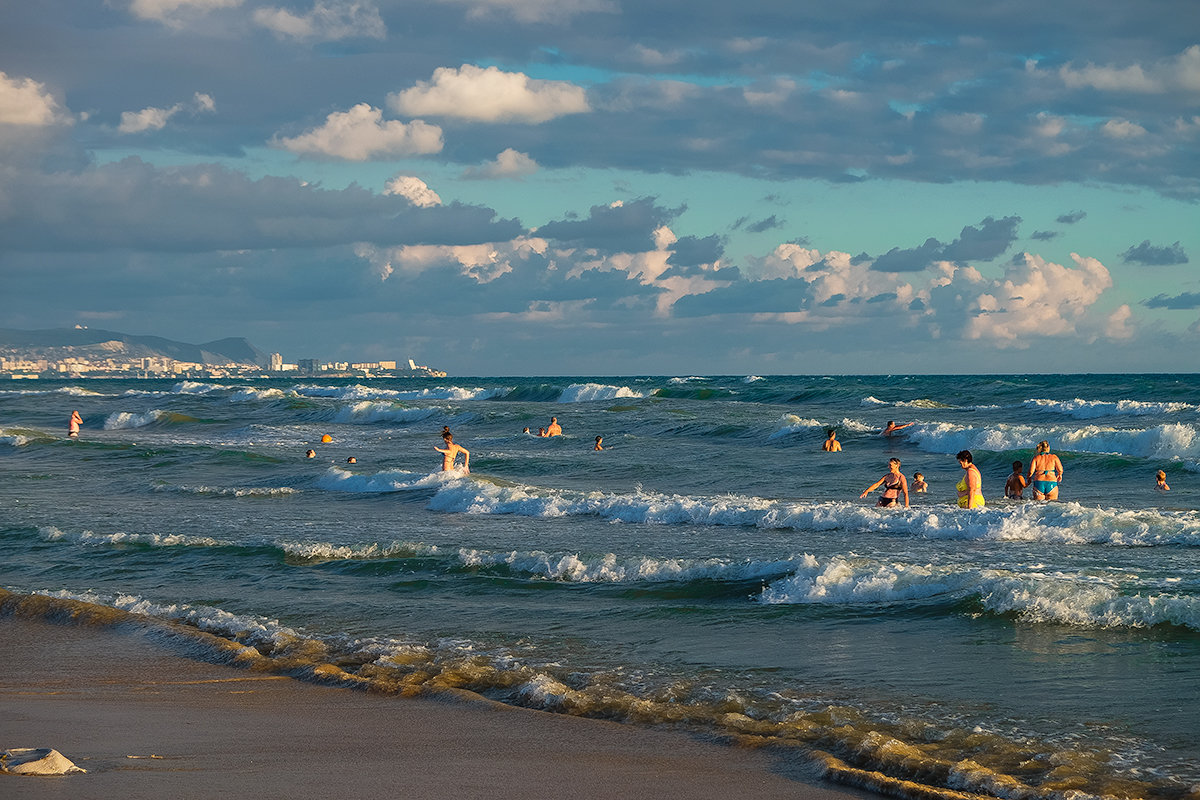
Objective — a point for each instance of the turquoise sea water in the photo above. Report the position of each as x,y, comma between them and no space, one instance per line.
711,567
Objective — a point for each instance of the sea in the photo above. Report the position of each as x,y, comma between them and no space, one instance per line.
711,569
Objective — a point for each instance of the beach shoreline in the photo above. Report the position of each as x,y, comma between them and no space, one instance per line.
146,722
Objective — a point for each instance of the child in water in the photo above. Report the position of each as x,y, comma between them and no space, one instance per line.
1161,477
919,484
1015,485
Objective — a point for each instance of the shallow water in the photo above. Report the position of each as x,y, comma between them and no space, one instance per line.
710,567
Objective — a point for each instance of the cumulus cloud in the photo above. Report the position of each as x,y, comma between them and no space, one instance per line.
153,119
1122,129
1151,256
361,134
1179,73
490,95
170,12
325,22
508,164
1071,218
414,190
1036,298
481,263
25,102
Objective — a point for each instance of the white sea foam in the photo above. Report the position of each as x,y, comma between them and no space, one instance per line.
1058,597
1171,441
52,534
1066,523
123,420
196,387
920,403
12,439
610,568
585,392
792,425
326,551
359,392
752,379
844,580
367,412
236,491
691,379
250,394
340,480
1092,409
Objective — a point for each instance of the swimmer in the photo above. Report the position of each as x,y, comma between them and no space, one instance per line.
919,484
351,460
73,425
1045,473
832,445
310,453
970,488
1161,477
554,429
893,484
450,454
599,439
542,433
1015,485
526,431
892,427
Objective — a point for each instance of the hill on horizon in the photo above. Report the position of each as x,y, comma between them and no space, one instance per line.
60,342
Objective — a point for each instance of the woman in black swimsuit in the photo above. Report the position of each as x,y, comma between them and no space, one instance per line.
893,484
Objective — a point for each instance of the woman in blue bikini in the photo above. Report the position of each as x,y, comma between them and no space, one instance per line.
1045,473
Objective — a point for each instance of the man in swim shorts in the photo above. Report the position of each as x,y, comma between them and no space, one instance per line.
1045,473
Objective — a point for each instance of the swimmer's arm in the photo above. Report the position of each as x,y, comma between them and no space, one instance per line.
872,487
904,488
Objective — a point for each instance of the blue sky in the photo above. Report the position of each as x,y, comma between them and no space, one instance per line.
609,187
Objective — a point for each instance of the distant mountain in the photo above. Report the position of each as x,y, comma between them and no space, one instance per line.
58,342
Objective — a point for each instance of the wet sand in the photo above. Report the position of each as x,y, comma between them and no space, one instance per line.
149,723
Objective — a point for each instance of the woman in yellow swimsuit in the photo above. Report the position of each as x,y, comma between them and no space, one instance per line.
970,488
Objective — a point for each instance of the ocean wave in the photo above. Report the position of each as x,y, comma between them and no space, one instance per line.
1092,409
340,480
51,534
895,751
1093,601
222,491
73,391
367,412
12,439
587,392
196,387
1065,523
250,394
360,392
610,568
123,420
1170,441
920,403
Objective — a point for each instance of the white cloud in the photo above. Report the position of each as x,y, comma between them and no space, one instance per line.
1122,129
489,95
24,101
153,119
414,190
361,134
1117,324
1179,73
169,11
508,164
535,10
777,93
1037,298
482,263
325,22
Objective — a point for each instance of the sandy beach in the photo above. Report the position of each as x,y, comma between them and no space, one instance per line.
148,723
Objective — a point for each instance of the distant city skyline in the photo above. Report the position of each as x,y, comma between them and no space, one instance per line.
606,187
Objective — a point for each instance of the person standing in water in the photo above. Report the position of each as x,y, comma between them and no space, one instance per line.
599,443
892,427
970,488
832,445
74,424
450,454
1045,473
893,483
554,429
1015,485
1161,478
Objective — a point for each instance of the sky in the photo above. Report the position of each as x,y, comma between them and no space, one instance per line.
612,187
